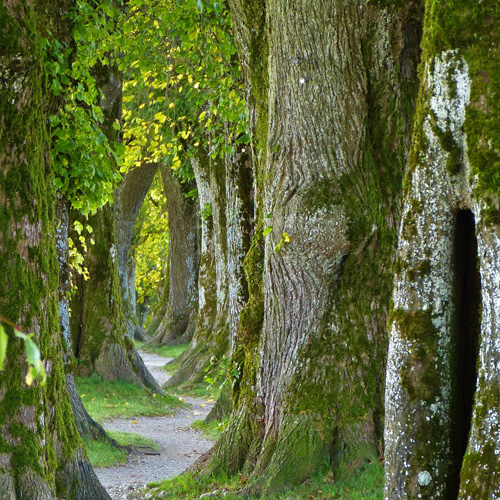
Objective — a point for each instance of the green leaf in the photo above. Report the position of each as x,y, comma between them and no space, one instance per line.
199,5
267,230
78,227
3,346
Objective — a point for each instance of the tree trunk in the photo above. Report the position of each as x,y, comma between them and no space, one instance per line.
179,321
98,329
129,197
443,384
42,456
211,334
312,337
86,425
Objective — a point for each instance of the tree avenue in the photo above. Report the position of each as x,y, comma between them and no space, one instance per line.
331,173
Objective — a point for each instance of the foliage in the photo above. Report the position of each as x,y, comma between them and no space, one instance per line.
84,158
220,372
367,485
151,244
185,95
106,400
33,356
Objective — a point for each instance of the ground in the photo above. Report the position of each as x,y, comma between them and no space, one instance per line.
180,444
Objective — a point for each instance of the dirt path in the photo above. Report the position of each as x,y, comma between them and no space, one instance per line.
180,445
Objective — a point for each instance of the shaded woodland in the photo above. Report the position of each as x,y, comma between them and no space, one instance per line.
305,191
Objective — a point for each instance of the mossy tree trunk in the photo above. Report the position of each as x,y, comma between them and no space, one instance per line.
211,334
41,454
181,301
98,329
129,197
98,326
86,425
442,430
332,108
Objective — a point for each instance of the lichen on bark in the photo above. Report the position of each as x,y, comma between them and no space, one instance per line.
312,335
424,419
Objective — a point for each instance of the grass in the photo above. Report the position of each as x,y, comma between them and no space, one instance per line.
367,485
198,390
105,400
172,367
167,351
211,430
102,454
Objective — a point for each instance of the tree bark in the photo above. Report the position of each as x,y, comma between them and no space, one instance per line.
42,456
129,197
312,336
211,335
179,321
86,425
442,398
98,329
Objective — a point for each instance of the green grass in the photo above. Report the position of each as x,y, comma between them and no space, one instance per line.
367,485
102,454
211,430
105,400
167,351
133,440
198,390
172,367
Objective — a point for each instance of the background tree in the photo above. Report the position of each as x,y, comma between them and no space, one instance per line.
332,113
181,301
442,398
38,461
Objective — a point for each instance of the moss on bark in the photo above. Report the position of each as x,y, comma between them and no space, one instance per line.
39,441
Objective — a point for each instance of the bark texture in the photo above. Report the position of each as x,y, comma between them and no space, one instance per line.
211,334
98,329
179,321
41,453
87,427
442,398
129,197
331,109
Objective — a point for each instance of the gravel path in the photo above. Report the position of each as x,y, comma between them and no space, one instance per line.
180,445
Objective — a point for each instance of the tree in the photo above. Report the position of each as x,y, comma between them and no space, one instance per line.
42,453
442,398
129,197
98,329
330,118
181,301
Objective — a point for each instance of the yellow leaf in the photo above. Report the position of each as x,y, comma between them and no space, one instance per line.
181,399
171,105
134,422
29,378
202,404
286,238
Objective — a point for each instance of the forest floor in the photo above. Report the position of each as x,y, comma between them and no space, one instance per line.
180,444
